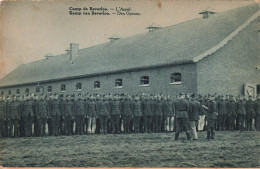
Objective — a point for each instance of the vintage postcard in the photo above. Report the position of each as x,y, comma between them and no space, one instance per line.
120,83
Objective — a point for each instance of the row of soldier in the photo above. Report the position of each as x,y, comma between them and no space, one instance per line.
29,115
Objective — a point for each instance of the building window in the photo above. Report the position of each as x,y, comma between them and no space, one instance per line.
119,83
27,90
258,89
63,88
97,85
175,78
18,91
144,81
37,90
78,86
9,92
2,93
49,89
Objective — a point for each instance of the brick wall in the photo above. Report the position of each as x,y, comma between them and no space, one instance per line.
159,82
228,69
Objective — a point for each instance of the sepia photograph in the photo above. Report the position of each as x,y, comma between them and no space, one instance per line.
136,84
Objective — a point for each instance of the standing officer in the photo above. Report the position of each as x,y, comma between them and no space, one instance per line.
182,117
222,113
13,116
169,114
211,118
232,112
2,115
158,114
55,115
103,114
126,114
28,115
67,115
115,114
137,114
42,114
202,114
241,114
257,111
147,114
92,113
194,116
79,114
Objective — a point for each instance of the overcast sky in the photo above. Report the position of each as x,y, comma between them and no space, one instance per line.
30,30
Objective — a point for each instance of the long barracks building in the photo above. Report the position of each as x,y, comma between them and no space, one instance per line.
218,53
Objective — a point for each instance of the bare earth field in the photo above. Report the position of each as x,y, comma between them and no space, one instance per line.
229,149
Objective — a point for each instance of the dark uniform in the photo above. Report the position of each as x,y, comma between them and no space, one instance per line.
13,116
182,117
241,114
79,115
115,115
126,114
158,115
232,113
103,115
67,114
211,118
250,112
92,113
55,116
42,114
28,115
137,114
222,114
194,117
147,114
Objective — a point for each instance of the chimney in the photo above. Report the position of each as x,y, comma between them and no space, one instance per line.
74,51
207,12
114,38
153,27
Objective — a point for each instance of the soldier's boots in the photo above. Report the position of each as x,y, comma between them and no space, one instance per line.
208,135
212,134
188,135
177,136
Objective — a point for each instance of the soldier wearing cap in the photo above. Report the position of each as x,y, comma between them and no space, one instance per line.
232,113
222,113
211,117
241,113
115,114
42,113
182,117
49,101
91,113
67,114
202,113
55,113
103,114
137,114
257,111
126,114
79,114
28,115
169,110
158,114
13,116
193,116
147,114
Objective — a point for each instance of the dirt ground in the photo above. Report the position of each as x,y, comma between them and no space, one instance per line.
229,149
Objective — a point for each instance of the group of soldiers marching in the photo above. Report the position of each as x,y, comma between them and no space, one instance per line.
41,115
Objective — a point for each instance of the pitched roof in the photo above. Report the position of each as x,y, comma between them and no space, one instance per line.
175,44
